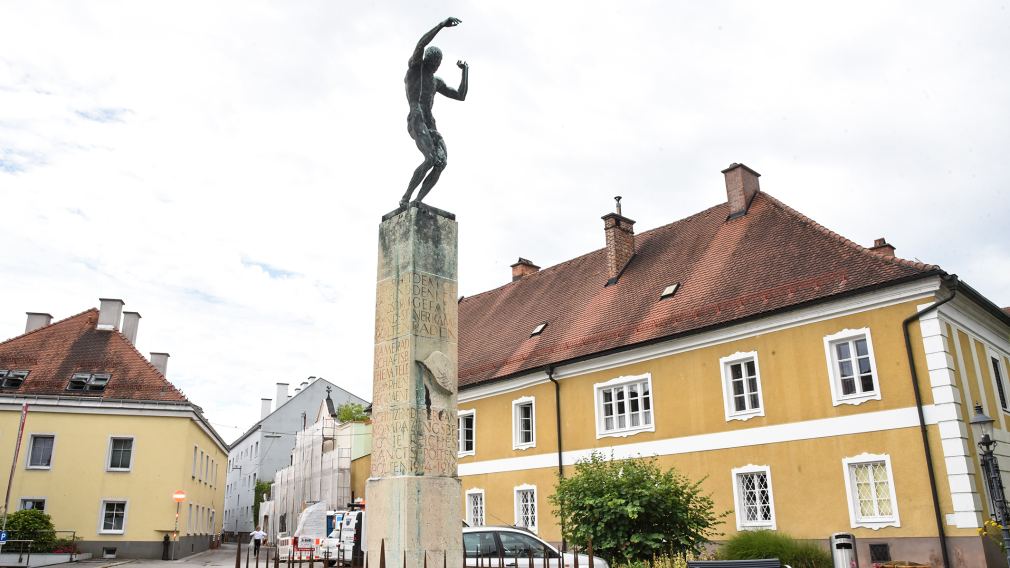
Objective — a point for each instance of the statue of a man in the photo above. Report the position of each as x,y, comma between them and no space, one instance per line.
422,84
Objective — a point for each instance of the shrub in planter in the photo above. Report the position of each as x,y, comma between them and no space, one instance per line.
748,545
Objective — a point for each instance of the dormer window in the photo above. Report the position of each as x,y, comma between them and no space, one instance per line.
93,382
12,379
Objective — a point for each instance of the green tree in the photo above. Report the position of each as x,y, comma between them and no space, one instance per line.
34,525
351,412
632,510
260,493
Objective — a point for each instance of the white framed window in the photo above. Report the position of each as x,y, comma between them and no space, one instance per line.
200,467
851,367
869,486
526,506
32,503
624,406
752,497
189,520
524,428
40,451
475,507
194,462
120,455
741,386
467,432
113,519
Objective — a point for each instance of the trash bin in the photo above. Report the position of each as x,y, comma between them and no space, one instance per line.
843,550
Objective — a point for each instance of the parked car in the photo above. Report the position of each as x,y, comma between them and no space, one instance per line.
485,545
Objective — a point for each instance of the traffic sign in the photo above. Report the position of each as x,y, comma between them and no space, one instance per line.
179,496
3,536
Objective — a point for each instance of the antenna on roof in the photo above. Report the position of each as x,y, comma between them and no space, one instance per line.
617,198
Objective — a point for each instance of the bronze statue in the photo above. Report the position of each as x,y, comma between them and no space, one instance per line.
422,84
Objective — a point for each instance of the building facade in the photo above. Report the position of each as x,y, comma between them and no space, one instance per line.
268,446
108,439
320,471
750,347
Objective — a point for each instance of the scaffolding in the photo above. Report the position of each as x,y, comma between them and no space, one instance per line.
320,471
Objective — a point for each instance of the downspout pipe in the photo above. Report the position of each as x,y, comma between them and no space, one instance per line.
952,282
549,370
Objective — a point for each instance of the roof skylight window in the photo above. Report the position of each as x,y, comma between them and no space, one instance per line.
538,329
93,382
669,291
12,379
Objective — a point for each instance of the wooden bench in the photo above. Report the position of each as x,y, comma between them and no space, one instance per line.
757,563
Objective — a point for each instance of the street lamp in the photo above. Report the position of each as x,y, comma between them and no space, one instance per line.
981,426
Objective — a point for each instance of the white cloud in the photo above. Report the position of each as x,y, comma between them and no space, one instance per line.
222,167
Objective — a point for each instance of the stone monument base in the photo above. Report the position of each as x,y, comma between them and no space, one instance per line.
437,530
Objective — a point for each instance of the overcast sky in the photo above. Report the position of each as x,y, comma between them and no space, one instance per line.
223,166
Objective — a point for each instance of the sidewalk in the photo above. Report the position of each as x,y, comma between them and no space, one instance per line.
222,557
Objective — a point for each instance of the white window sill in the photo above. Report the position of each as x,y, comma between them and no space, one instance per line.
877,524
118,470
524,446
43,467
111,532
769,526
464,454
745,415
625,433
856,399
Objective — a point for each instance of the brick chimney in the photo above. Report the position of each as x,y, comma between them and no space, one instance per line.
881,247
524,267
160,362
36,320
741,187
620,242
131,321
110,311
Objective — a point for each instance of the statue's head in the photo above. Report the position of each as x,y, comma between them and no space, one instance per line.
432,58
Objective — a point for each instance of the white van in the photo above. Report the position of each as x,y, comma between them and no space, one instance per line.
352,537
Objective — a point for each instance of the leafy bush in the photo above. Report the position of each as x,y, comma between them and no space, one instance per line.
65,545
34,525
351,412
631,510
770,544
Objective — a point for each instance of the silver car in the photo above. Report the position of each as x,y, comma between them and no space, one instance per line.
491,547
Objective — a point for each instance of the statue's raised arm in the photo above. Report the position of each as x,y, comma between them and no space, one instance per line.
418,54
421,84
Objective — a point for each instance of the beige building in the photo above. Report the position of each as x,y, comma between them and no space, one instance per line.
748,346
108,439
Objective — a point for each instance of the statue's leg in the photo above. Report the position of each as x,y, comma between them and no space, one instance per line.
438,165
429,182
415,180
423,139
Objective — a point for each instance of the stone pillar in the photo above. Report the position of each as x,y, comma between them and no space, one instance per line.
413,497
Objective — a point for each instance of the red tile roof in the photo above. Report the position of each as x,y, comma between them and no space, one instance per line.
55,352
770,259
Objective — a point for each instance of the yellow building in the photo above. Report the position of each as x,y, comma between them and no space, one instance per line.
749,346
108,439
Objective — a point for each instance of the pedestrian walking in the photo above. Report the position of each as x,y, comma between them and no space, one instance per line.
258,536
